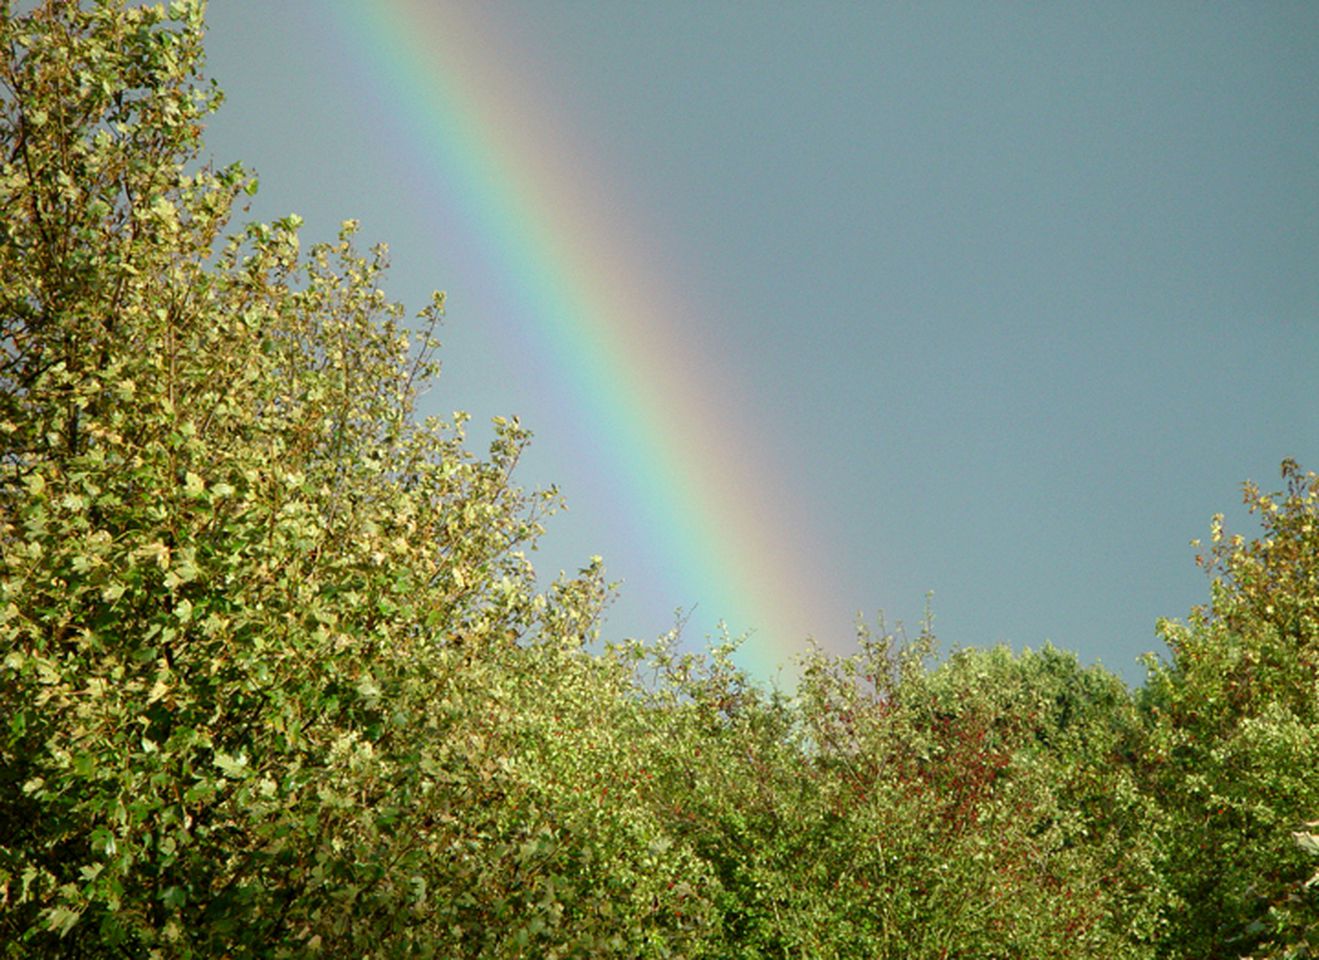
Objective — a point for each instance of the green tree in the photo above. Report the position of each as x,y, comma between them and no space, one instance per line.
986,806
278,680
245,598
1234,741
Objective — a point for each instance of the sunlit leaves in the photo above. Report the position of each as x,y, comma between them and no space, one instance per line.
278,678
1234,736
222,533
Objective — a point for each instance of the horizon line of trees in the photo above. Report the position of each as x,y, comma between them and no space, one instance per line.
277,679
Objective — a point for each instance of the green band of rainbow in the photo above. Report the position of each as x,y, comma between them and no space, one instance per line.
711,501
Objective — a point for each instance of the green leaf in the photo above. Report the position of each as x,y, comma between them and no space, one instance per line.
235,768
1309,842
62,919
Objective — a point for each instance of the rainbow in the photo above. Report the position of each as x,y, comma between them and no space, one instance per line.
710,493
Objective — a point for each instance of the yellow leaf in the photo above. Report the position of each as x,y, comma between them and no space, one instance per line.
158,690
154,551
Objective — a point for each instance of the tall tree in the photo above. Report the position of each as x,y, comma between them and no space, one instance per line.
1234,749
237,577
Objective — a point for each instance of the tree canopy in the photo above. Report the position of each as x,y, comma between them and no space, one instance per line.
278,677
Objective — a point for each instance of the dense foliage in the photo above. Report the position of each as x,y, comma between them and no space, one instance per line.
278,679
1233,753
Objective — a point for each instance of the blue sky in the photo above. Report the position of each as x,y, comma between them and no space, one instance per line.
1015,295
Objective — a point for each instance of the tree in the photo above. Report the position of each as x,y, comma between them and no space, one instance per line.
239,582
1234,743
984,808
277,678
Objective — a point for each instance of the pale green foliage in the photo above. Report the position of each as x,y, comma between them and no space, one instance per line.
235,571
1234,741
277,680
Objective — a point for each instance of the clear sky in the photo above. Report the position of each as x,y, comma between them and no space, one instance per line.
999,301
